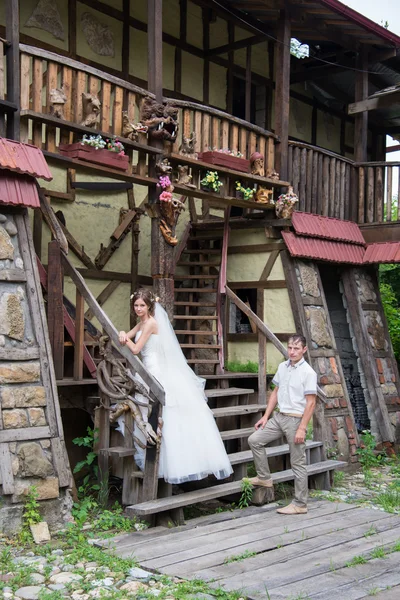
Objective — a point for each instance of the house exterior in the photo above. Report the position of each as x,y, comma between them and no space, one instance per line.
202,76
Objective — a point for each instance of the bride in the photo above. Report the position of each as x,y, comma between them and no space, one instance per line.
191,446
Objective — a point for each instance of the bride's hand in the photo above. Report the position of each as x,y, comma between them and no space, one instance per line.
123,338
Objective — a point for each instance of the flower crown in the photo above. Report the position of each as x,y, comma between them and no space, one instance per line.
153,298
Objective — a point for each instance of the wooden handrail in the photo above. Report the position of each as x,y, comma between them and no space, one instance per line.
321,151
265,331
156,390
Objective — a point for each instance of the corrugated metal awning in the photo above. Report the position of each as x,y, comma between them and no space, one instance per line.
327,228
324,250
23,158
384,252
19,190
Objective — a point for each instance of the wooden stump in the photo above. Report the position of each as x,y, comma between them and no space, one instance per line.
262,495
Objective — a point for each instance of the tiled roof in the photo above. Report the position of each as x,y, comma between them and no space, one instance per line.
19,190
24,159
384,252
327,228
326,250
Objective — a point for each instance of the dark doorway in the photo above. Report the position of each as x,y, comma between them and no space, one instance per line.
330,276
239,100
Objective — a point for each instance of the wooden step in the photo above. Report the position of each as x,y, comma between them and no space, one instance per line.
205,290
199,276
232,375
199,304
193,332
206,236
196,317
202,361
236,434
233,391
238,458
224,489
202,346
233,411
201,251
197,263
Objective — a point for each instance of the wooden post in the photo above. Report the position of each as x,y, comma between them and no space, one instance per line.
248,85
13,67
79,336
361,119
282,92
206,62
55,307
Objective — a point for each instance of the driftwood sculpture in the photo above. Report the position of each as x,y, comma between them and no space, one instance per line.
188,146
121,386
161,119
264,196
257,164
183,176
131,130
57,101
91,110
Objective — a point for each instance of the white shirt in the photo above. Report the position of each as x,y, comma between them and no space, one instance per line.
294,383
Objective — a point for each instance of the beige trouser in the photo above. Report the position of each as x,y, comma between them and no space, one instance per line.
277,426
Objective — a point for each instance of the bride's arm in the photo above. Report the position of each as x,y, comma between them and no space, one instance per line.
148,329
124,337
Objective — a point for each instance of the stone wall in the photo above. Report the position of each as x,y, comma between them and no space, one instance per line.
32,449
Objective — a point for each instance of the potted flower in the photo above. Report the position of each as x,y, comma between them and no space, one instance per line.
94,148
224,157
211,182
285,204
242,192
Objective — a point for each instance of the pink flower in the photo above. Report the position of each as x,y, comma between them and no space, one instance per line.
165,196
165,182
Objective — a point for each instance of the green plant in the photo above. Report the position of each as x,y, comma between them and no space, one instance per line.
367,454
89,465
247,192
31,514
51,595
378,552
373,591
211,181
247,493
389,500
99,143
357,560
371,531
338,478
236,366
239,557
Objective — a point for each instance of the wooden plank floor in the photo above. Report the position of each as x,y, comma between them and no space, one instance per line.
301,556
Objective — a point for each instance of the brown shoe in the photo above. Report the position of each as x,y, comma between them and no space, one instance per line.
292,509
256,481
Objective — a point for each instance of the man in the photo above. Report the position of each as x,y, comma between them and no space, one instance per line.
295,394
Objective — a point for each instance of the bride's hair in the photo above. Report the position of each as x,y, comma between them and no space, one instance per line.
148,298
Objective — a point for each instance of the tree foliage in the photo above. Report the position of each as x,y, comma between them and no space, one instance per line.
390,293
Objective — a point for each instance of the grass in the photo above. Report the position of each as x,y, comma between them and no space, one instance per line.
338,478
356,560
371,531
236,366
389,500
239,557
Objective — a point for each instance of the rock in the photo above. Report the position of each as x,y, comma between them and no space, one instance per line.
11,228
23,397
6,245
34,462
30,592
333,390
57,552
47,488
139,573
15,419
3,218
12,318
40,532
36,417
318,327
134,586
19,263
310,280
38,577
19,372
65,578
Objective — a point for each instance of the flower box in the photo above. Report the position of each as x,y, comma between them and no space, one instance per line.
90,154
222,159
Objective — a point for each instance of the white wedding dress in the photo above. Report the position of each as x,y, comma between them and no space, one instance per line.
191,446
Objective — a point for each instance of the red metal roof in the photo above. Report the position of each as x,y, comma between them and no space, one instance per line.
19,190
326,227
383,252
23,158
312,248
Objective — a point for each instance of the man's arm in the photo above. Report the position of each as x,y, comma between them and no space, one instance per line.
272,402
308,413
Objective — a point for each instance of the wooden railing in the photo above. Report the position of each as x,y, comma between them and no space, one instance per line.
378,192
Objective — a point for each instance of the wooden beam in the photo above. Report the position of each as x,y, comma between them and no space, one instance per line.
79,336
250,41
385,100
13,67
55,307
361,119
248,85
282,92
154,47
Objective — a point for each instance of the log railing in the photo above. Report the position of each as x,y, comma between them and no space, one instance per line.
378,192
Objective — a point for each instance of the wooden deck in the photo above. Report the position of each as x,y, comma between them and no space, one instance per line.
297,557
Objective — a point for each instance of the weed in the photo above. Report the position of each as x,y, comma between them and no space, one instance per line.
236,366
373,591
280,543
332,567
247,493
239,557
378,552
367,455
396,547
89,465
357,560
389,500
371,531
338,478
286,529
51,595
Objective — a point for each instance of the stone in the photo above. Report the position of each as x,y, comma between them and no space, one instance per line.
34,462
2,341
333,390
65,578
310,280
15,465
3,218
23,397
15,419
319,327
38,577
367,293
40,533
11,228
6,245
139,573
389,389
36,417
19,372
134,586
12,318
375,330
19,263
45,443
30,592
47,488
57,587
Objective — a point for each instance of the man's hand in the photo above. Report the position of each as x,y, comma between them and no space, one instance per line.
261,423
123,338
300,436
